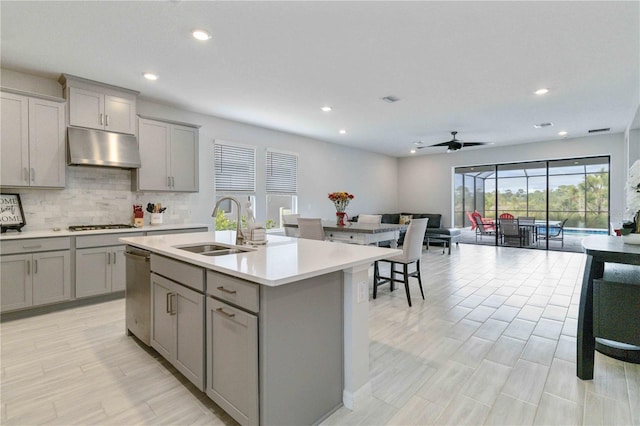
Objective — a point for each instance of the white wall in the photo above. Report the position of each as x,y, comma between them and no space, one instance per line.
425,182
102,195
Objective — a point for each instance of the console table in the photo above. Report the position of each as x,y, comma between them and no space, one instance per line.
609,303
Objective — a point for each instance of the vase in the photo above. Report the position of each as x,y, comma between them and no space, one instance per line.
340,216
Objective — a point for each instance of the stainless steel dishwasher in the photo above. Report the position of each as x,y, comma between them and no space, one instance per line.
138,293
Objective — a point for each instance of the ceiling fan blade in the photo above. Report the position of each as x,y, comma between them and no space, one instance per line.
441,144
474,143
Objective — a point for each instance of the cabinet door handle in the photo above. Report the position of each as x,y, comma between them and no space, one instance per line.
226,314
35,266
169,181
28,267
33,174
106,119
101,119
173,304
114,257
25,174
169,303
173,181
221,288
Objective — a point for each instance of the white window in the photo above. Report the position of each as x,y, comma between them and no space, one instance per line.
282,186
235,175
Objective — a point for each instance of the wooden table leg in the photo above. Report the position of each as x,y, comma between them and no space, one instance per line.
594,269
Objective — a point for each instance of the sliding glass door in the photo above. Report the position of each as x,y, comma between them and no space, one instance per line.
571,194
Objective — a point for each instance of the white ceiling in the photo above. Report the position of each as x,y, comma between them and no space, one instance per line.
466,66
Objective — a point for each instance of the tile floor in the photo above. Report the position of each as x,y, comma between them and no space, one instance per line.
494,343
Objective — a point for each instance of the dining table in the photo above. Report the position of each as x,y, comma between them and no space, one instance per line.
360,233
531,230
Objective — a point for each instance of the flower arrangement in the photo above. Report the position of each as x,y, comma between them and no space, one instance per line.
633,198
341,200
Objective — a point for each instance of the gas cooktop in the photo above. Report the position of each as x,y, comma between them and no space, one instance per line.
98,227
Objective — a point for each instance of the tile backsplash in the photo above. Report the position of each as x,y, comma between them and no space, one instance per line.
95,195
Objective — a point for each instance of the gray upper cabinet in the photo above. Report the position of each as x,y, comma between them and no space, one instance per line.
32,141
100,106
169,156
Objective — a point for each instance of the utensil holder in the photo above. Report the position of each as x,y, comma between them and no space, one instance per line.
156,218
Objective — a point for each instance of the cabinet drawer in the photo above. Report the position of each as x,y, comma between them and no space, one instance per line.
345,236
234,290
101,240
34,245
185,274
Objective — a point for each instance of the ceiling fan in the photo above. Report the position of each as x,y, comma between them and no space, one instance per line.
454,144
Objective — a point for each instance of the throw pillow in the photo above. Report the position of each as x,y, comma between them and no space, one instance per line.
405,219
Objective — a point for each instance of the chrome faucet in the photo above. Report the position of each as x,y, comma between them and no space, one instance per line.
239,234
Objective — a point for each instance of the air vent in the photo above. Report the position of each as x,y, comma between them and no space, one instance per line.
604,129
390,99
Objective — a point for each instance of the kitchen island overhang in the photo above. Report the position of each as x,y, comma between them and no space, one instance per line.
283,261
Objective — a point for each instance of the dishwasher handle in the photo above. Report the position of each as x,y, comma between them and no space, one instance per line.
137,257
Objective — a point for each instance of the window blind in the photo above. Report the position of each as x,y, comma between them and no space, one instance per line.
235,168
282,173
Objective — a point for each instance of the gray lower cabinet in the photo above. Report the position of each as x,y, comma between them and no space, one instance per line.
177,327
100,270
232,360
34,279
34,272
100,264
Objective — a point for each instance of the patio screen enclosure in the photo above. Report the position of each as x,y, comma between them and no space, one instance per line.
575,189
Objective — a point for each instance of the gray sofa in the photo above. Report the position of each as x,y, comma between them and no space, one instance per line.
434,226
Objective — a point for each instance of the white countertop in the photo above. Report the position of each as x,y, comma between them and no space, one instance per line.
281,261
49,233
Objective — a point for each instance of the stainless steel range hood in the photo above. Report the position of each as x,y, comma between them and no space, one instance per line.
88,147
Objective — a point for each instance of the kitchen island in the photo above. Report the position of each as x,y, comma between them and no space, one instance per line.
292,315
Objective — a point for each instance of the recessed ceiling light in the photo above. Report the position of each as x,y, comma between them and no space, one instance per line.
201,35
150,76
542,91
413,151
342,132
326,108
563,133
541,125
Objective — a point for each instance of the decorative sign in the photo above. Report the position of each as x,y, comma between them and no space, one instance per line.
11,214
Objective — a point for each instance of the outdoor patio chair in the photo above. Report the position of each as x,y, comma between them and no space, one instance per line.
511,233
483,229
487,222
555,233
506,216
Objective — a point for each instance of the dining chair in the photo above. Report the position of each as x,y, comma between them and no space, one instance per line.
370,218
290,219
310,228
506,216
411,253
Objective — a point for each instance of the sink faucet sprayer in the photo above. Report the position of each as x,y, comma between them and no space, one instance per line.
239,234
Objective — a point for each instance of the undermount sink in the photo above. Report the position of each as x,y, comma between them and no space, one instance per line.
211,249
